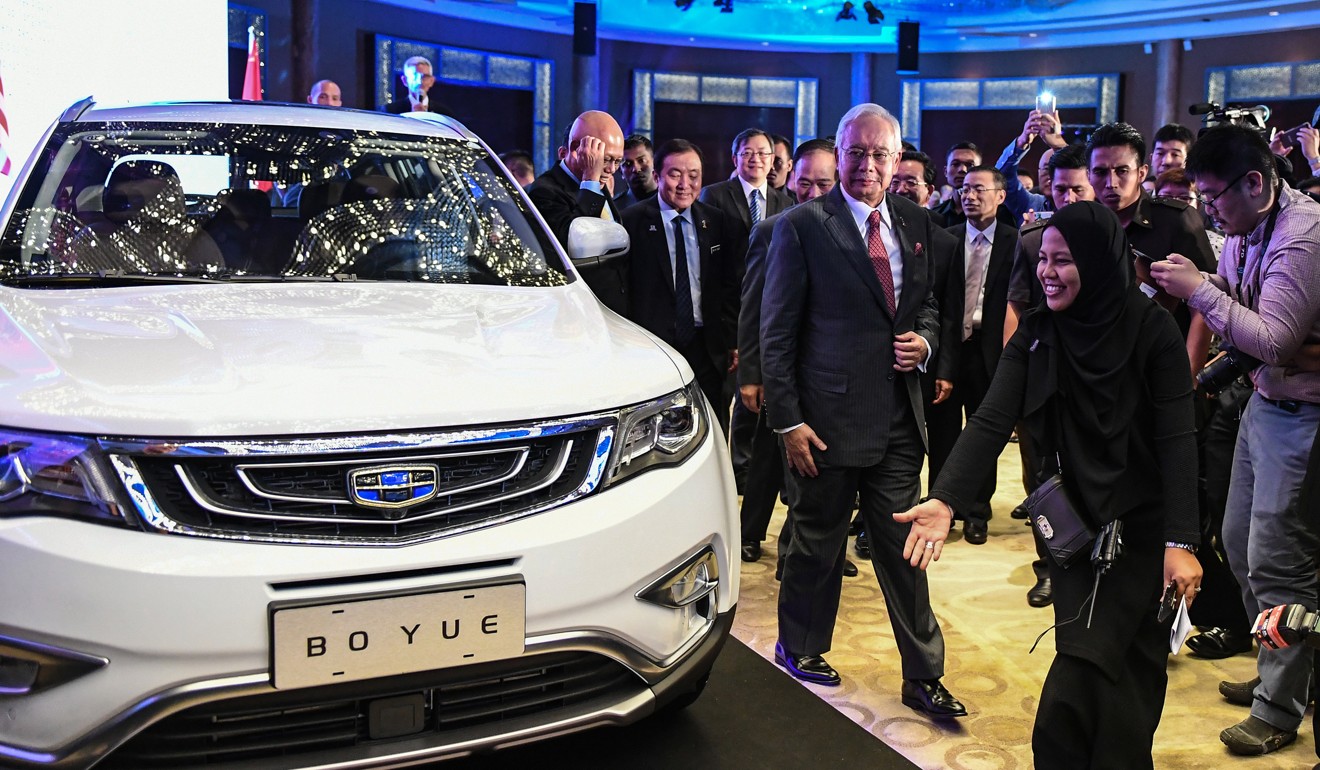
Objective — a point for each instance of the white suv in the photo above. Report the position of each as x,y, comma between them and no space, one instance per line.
314,451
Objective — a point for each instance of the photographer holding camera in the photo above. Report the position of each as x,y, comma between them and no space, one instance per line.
1265,304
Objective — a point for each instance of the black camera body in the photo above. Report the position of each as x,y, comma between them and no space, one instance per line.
1224,369
1217,114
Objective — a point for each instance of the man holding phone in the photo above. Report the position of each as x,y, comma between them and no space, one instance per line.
1045,124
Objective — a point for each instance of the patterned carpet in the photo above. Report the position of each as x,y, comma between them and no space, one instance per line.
979,594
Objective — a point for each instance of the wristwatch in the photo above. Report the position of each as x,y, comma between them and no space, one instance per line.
1185,546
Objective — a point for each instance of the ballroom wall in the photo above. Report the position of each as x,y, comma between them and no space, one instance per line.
344,29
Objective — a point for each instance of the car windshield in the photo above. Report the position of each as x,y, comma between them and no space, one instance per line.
220,201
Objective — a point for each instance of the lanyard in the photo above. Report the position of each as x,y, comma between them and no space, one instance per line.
1248,298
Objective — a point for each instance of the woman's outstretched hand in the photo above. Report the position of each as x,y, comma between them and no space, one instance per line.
930,527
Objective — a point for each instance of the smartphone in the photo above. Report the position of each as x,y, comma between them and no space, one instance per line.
1168,602
1043,215
1289,138
1046,103
1143,256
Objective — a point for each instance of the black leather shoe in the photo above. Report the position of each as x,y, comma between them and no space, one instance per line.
1239,693
975,531
1019,512
862,545
779,568
849,569
751,550
808,668
931,698
1219,643
1041,594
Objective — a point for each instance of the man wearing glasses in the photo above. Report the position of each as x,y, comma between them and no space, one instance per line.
848,321
987,260
914,180
582,185
1263,301
745,200
1156,227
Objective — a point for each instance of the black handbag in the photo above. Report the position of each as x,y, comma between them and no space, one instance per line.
1062,526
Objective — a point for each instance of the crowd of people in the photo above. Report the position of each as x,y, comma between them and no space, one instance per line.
846,325
1144,322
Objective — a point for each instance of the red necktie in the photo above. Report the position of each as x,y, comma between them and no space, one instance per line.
880,259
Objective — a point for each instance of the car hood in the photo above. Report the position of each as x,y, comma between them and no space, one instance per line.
280,359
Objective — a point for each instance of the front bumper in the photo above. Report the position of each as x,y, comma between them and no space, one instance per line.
183,621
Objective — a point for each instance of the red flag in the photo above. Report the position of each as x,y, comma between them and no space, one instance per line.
252,76
4,133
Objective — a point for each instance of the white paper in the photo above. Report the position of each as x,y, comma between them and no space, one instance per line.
1182,626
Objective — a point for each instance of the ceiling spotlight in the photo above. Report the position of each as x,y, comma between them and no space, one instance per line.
683,5
873,15
846,12
725,6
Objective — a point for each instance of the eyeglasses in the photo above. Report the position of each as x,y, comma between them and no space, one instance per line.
753,154
1212,201
858,154
612,162
978,189
1190,197
904,181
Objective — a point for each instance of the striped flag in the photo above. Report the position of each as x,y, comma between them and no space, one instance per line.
252,75
4,133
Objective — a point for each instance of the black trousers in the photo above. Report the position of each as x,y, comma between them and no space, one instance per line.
710,377
944,421
813,567
764,481
1220,601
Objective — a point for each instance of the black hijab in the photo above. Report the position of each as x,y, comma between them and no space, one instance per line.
1099,385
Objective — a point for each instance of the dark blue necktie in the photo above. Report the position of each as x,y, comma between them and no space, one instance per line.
755,207
684,327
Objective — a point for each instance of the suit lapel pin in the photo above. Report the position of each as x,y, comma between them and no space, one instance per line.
703,224
652,229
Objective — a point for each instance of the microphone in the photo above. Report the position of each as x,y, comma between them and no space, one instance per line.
1201,108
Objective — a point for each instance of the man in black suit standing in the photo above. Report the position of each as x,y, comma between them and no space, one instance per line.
682,285
847,321
986,249
419,90
581,184
745,200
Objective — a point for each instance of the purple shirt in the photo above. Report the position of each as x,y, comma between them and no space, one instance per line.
1285,279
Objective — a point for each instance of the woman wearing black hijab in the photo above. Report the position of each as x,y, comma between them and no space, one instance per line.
1100,373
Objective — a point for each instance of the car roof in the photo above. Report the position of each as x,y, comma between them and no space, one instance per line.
277,114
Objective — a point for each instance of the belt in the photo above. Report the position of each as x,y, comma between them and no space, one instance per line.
1291,407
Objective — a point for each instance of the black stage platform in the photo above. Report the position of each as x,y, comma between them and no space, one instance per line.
752,715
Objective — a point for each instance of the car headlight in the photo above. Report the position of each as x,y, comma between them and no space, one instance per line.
43,475
658,433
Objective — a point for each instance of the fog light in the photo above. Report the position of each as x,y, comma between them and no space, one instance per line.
694,579
28,667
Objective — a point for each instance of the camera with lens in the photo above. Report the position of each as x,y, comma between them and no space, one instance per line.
1217,114
1222,370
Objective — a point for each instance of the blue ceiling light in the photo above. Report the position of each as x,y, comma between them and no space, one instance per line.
946,25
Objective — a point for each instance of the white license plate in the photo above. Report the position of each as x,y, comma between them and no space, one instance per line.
372,638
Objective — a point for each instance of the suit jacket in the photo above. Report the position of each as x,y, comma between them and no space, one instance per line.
749,309
403,104
727,196
995,304
651,277
561,200
827,336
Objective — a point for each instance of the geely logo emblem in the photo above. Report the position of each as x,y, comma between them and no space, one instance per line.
392,486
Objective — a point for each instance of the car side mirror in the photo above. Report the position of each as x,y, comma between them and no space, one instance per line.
592,241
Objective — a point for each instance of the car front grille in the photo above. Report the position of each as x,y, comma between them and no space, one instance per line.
376,492
288,723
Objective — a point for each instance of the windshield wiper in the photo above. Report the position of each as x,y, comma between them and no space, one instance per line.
102,278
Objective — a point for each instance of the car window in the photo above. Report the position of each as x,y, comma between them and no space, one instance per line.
272,202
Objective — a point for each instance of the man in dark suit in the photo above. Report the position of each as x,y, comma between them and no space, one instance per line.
847,321
582,185
419,94
961,157
914,180
815,173
683,287
746,200
637,170
986,249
